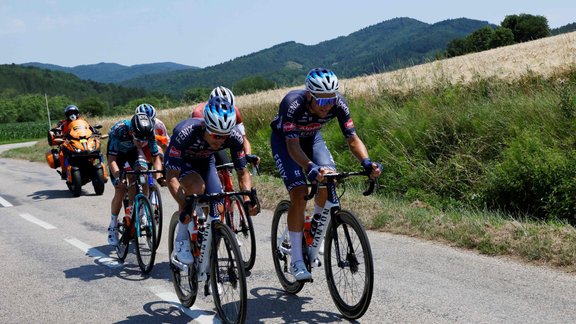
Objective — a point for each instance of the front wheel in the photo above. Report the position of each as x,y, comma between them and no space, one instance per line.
145,237
227,276
98,181
76,185
281,249
240,222
348,264
184,282
156,202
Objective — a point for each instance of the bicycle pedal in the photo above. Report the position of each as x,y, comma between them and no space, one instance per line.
306,280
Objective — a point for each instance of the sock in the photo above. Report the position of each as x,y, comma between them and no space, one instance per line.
113,220
182,232
296,246
318,209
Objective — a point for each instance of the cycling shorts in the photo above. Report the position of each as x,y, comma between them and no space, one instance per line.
291,173
207,170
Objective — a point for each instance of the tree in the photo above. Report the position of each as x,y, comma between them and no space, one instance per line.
526,27
501,37
457,47
196,95
92,106
252,84
480,39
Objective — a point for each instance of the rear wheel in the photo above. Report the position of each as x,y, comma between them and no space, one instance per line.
227,276
240,222
348,264
145,236
281,249
156,202
184,282
98,181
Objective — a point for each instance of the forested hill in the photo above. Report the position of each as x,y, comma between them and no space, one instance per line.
385,46
17,80
112,72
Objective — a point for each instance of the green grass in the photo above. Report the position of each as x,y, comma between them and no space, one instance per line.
22,132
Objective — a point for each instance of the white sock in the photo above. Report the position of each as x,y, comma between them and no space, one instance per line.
113,220
296,246
182,232
318,209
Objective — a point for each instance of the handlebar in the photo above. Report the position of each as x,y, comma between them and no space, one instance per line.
193,199
332,177
252,159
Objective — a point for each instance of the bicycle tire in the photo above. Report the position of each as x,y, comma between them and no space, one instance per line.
123,241
281,259
157,209
227,276
356,273
240,222
185,284
145,238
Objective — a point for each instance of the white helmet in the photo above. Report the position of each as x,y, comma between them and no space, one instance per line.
147,109
223,92
219,116
321,81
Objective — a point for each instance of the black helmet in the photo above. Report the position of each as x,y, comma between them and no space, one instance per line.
71,110
142,127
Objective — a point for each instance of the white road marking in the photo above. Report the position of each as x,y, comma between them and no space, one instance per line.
199,315
5,203
94,253
38,222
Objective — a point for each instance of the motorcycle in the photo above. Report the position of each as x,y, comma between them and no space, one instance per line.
83,160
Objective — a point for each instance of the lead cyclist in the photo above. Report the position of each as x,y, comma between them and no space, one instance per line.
301,154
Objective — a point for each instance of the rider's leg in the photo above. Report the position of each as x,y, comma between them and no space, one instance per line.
192,183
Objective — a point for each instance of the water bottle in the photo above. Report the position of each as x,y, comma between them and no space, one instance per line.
314,224
128,208
307,229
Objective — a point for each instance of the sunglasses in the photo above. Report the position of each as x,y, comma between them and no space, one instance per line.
139,140
216,136
324,101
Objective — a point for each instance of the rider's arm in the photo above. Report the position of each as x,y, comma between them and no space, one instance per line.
157,166
359,150
113,166
296,153
247,146
244,180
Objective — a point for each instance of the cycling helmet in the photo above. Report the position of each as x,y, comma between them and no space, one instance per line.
219,116
321,81
223,92
142,127
147,109
71,112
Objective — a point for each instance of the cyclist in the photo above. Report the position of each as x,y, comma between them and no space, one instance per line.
221,156
190,164
125,142
160,131
72,113
298,146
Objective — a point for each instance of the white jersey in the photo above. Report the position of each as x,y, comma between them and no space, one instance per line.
160,129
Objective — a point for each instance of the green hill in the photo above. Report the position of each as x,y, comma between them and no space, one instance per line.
385,46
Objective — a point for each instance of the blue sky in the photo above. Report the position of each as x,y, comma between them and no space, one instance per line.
208,32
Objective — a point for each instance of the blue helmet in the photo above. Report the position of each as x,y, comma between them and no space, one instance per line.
322,81
219,116
147,109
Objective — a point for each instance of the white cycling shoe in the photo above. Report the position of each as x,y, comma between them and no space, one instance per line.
183,252
299,271
113,236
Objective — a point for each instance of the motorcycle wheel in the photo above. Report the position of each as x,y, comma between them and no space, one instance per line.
98,182
76,186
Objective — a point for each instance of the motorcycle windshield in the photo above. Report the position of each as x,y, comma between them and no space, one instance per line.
79,129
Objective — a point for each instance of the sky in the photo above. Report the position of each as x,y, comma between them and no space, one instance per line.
208,32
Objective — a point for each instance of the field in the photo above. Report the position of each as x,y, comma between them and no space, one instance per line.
21,132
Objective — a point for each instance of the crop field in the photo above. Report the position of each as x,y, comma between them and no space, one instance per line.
18,132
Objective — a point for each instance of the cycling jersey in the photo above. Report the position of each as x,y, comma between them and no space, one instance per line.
294,120
198,112
161,132
120,140
187,146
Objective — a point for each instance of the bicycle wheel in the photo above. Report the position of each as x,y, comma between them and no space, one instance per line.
156,202
145,236
240,222
281,249
348,264
227,276
184,282
124,241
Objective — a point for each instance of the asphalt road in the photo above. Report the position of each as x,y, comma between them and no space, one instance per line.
57,268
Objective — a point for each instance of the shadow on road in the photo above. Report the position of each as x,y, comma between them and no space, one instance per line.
161,312
50,194
272,304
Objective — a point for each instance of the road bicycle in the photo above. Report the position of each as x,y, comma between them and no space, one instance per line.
138,223
217,258
237,217
347,260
